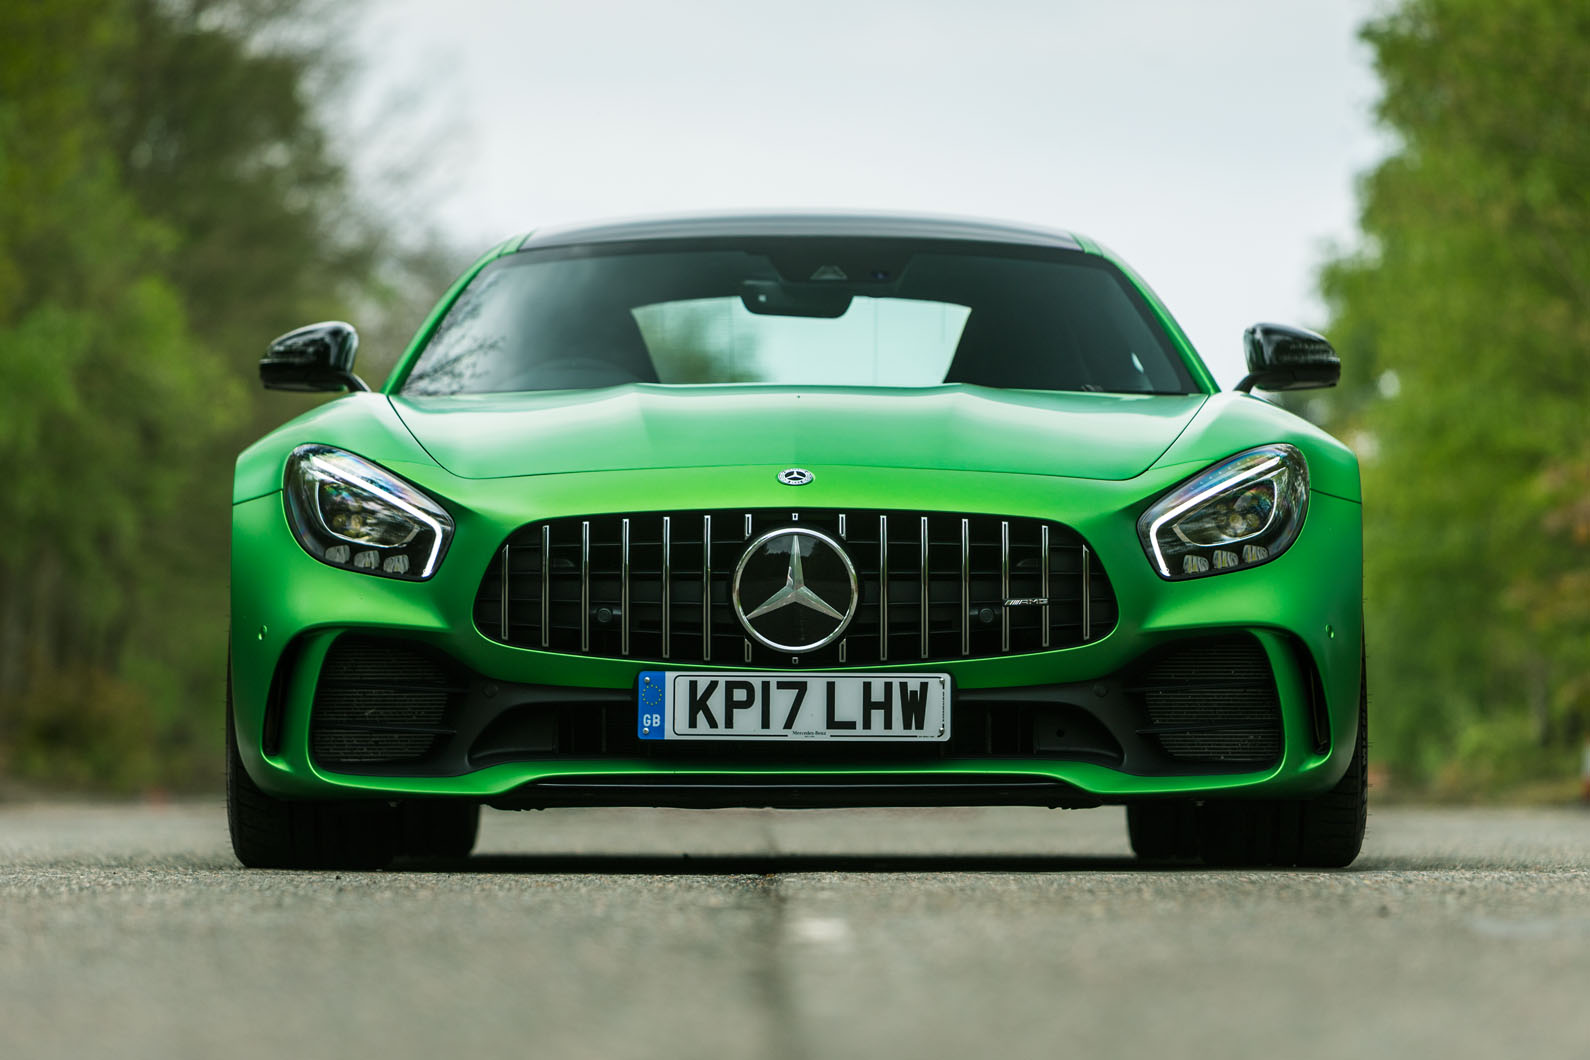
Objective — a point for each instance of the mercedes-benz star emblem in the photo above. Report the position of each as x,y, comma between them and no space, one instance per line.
795,476
801,587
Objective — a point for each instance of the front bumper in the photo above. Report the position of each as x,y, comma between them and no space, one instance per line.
1304,608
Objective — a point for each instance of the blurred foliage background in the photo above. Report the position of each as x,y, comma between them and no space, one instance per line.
1464,326
171,197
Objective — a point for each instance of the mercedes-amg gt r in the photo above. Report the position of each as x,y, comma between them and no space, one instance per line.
790,511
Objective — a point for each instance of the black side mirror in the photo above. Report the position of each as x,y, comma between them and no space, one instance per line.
316,357
1285,358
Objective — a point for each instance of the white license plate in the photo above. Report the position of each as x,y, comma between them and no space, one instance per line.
680,705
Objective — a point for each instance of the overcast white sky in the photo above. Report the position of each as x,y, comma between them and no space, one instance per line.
1214,144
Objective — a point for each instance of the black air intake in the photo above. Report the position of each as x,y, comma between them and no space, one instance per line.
379,700
1213,700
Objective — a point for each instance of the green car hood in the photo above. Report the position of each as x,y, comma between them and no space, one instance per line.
968,428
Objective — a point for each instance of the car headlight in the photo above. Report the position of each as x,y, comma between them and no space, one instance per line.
348,512
1240,513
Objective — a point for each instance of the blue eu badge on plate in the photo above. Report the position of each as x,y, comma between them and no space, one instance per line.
653,698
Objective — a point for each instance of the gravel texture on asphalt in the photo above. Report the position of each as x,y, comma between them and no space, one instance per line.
129,931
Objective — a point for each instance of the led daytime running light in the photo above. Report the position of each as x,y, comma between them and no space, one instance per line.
391,498
1185,535
1264,470
405,533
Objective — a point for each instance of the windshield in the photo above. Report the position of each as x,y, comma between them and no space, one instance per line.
810,312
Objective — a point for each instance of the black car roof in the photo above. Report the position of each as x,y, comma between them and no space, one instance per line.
881,225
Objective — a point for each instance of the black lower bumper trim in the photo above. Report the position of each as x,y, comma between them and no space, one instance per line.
1197,706
794,793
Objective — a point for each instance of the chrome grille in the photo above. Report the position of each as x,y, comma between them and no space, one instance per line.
655,586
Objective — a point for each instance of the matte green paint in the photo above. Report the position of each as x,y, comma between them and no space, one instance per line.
362,422
1090,461
1229,423
640,425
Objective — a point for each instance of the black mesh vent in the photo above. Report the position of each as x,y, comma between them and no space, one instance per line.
963,566
379,701
1214,701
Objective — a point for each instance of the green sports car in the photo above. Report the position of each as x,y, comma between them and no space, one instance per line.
788,511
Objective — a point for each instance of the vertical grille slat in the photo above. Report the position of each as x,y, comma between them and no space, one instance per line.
585,586
883,588
966,587
546,583
623,600
657,586
667,586
922,568
1043,591
1004,584
1087,594
507,595
706,588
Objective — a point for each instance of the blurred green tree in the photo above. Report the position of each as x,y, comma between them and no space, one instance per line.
1466,321
170,199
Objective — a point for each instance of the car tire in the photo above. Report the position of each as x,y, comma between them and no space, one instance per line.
1326,832
272,833
1163,831
438,828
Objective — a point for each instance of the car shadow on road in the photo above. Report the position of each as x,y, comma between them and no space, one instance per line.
776,864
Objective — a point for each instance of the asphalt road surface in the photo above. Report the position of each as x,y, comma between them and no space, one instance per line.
128,931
